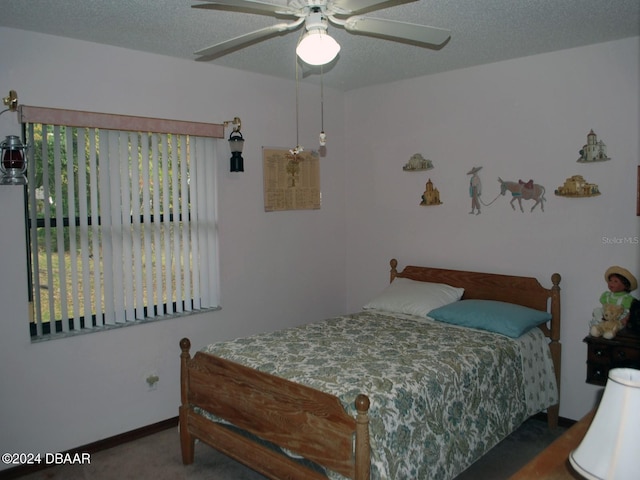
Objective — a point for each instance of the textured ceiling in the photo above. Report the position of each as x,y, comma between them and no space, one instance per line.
482,31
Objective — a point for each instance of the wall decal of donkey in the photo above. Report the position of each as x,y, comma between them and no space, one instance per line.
523,190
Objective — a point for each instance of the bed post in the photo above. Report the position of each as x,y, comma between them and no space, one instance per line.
555,346
394,271
187,442
363,449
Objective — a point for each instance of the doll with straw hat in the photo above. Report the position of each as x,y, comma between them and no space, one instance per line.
620,283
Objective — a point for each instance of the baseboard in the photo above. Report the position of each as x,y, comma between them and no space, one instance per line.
19,471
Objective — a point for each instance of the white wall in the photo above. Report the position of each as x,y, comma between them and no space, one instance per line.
519,119
278,268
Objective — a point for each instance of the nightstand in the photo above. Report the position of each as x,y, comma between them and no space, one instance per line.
623,351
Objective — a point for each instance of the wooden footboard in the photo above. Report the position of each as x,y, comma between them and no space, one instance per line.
305,421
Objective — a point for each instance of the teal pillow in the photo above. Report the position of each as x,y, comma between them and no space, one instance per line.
500,317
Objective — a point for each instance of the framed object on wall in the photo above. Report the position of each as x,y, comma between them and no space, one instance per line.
291,182
638,194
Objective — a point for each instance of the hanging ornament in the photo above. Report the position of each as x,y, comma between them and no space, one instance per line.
295,152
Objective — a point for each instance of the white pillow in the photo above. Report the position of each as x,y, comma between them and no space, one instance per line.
413,297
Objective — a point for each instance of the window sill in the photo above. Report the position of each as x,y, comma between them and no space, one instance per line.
104,328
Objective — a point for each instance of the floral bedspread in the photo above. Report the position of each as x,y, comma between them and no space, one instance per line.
441,396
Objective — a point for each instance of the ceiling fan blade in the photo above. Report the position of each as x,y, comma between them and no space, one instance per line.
253,6
400,31
349,7
222,48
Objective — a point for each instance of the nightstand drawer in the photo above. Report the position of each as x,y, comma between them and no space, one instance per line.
599,353
627,355
597,374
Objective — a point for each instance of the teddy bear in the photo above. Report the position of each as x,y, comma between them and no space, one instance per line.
610,323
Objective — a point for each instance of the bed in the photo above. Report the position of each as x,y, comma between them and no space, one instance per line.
415,397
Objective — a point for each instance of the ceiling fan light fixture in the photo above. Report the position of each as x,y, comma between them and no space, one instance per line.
317,47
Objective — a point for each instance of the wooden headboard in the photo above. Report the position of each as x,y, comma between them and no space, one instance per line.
526,291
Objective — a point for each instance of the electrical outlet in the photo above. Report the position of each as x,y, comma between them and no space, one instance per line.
152,381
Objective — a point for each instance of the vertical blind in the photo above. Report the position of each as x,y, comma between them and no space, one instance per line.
122,223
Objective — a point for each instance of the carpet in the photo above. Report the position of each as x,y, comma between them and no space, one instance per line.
157,457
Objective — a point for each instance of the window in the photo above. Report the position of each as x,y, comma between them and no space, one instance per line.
121,222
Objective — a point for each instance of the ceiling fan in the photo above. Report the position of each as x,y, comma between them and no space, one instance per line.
316,15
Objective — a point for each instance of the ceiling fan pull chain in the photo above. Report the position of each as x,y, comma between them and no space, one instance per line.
323,136
297,106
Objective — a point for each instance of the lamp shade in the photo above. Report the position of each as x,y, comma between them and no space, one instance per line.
317,47
609,450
